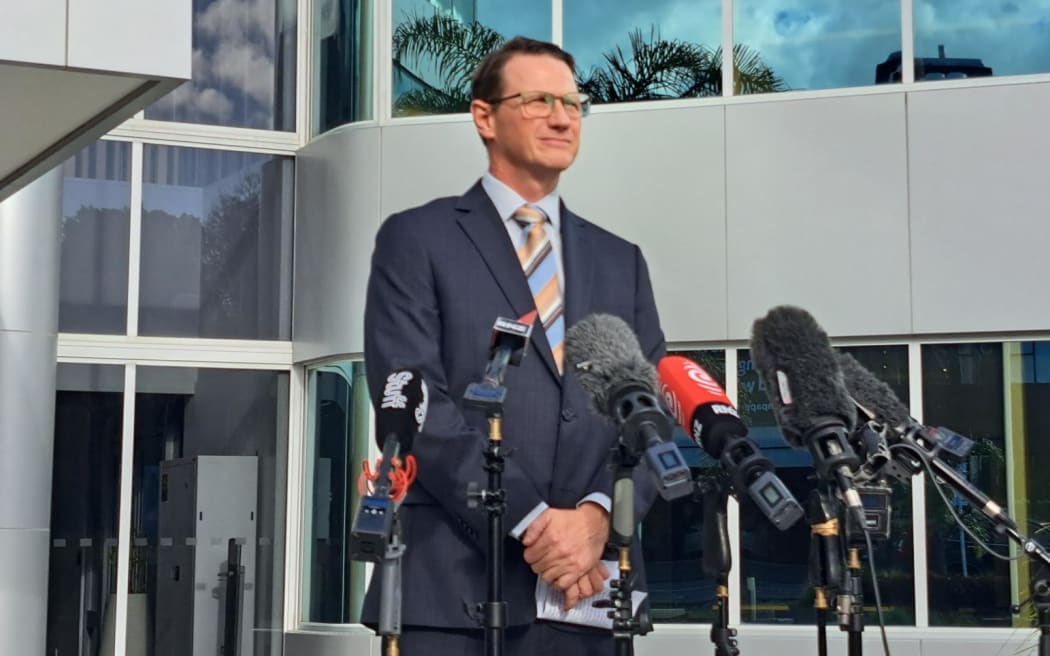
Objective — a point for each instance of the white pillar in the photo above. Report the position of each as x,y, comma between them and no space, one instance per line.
30,232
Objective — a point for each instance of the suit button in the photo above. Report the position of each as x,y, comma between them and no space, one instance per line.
568,414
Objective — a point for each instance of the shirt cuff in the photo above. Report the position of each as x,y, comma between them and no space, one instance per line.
600,498
520,527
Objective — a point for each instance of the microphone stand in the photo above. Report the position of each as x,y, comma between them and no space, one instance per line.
390,594
717,559
509,341
825,558
493,612
625,624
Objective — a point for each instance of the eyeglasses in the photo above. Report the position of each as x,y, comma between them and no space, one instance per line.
540,104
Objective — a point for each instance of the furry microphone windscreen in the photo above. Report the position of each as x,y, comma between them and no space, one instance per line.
603,353
871,393
793,356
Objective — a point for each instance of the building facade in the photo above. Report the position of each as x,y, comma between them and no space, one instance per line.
879,163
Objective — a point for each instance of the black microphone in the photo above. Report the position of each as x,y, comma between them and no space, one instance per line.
400,413
808,394
510,340
705,412
605,355
936,443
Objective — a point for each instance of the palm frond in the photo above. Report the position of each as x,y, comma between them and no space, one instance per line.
432,101
454,48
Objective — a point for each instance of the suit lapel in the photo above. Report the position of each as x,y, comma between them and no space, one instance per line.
579,266
483,226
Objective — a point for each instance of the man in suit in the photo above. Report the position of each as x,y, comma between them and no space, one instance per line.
441,274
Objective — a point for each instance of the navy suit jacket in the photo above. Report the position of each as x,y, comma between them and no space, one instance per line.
441,275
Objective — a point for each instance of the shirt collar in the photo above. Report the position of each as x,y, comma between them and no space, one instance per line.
507,200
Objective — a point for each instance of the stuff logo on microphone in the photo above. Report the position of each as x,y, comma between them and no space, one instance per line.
393,392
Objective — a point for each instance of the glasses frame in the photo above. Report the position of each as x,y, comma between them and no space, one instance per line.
527,97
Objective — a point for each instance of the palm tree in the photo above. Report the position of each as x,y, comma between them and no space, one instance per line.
654,68
454,50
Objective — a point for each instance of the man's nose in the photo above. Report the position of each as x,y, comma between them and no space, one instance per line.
559,116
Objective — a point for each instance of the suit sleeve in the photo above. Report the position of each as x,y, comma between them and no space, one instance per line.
646,325
403,329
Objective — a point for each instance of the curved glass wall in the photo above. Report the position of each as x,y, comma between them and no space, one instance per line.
244,61
342,62
333,586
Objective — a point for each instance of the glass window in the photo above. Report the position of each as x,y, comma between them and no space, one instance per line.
775,564
976,39
334,586
216,244
243,72
96,201
1028,451
962,389
628,51
208,505
672,533
813,44
85,496
343,54
437,45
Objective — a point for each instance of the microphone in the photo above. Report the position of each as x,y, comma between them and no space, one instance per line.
703,410
806,389
604,353
936,444
401,412
510,339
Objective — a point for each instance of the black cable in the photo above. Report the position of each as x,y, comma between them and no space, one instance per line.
948,504
878,597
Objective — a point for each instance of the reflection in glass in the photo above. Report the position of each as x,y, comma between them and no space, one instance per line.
1028,450
962,389
343,54
333,586
85,495
628,51
243,71
815,44
672,533
437,44
216,244
775,564
208,502
96,200
959,39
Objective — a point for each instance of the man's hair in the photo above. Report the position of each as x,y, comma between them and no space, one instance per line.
488,78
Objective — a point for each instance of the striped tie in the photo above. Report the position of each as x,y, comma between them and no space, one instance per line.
540,265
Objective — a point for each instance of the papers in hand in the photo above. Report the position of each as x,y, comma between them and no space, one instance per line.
549,602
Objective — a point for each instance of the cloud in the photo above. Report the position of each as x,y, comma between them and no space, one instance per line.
246,67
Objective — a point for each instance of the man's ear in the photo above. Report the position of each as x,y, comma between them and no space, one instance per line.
481,111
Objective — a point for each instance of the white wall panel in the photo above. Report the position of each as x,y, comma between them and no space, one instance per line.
33,32
150,37
422,162
337,213
817,212
657,179
979,168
